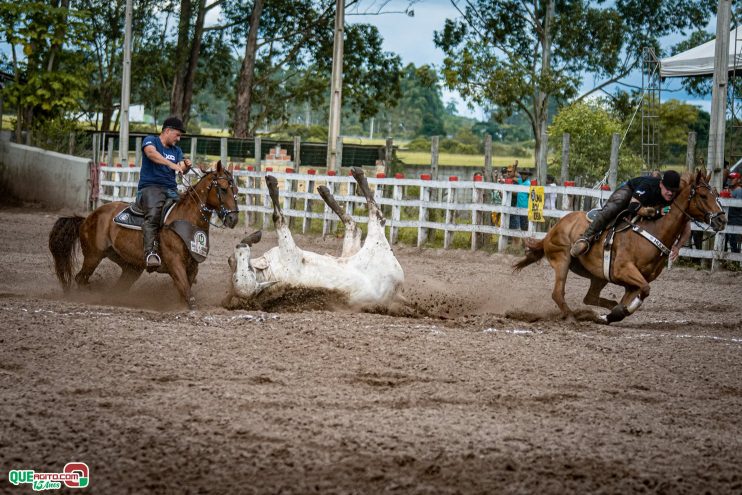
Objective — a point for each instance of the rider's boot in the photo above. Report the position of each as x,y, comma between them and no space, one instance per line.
152,258
618,201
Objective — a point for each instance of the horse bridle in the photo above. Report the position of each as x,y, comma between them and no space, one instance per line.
222,211
708,216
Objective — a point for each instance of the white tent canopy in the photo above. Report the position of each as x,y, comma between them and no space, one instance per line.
699,61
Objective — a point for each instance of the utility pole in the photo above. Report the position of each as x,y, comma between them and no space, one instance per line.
715,161
125,91
336,87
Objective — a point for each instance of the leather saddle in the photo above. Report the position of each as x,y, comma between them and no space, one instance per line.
132,217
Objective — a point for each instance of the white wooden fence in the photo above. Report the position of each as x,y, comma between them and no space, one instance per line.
462,202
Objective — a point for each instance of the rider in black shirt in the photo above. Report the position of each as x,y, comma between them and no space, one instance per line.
639,196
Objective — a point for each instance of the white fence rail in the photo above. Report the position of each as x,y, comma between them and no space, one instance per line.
466,206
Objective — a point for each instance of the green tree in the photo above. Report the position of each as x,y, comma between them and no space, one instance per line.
590,128
43,89
508,54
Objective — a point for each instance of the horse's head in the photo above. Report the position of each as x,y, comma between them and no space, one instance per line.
221,195
703,201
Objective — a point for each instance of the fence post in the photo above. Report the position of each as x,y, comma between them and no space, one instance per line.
613,166
565,168
388,156
502,242
434,157
258,154
306,223
223,152
194,147
396,209
448,234
138,152
476,215
297,153
422,232
488,175
339,154
690,155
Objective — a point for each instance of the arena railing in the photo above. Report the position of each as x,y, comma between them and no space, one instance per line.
464,206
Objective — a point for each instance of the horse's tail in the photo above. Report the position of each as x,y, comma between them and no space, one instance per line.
534,252
62,243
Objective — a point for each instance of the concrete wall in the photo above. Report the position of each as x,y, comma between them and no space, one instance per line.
52,179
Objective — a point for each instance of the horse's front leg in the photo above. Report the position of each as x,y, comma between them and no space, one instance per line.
176,261
637,290
593,298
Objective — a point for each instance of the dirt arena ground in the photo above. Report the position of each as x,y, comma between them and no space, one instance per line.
499,397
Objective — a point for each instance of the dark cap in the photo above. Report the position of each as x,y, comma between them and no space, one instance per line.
671,180
173,123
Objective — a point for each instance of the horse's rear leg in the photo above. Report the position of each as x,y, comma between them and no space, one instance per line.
352,238
637,290
560,263
593,294
129,275
90,263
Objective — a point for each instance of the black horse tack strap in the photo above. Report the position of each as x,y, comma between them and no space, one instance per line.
196,240
657,243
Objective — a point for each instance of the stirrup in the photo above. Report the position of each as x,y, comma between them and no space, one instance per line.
581,246
152,259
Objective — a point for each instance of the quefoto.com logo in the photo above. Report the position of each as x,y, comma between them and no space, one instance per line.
74,475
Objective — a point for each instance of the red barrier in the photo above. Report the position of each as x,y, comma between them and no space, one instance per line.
331,173
289,170
534,182
118,165
453,178
478,178
426,177
569,183
250,168
399,175
507,181
381,175
132,164
725,193
269,169
605,187
236,167
311,171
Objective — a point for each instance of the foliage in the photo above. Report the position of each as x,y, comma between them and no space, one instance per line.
590,128
508,55
43,90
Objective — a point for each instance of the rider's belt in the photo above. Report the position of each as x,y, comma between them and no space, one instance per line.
658,243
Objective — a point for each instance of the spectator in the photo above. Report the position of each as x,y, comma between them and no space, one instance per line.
735,212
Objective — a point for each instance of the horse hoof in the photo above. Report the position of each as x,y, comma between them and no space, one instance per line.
603,319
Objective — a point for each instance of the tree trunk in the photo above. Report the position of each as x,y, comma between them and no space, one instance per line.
181,59
193,62
241,119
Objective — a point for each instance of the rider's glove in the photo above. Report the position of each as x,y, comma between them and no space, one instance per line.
647,211
665,210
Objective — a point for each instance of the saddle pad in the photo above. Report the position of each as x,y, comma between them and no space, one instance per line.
132,219
195,239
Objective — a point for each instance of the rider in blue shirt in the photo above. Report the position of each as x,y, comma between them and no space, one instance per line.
162,159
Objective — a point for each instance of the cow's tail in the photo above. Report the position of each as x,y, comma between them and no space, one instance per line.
534,252
63,241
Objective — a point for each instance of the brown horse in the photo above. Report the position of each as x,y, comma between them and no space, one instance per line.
101,238
635,261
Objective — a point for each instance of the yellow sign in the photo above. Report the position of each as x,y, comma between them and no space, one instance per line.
536,204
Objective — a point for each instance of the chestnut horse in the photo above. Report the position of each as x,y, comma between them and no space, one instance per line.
635,261
101,238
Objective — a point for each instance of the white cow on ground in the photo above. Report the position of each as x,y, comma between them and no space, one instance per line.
368,274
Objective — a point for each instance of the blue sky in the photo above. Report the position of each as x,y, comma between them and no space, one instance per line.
412,39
